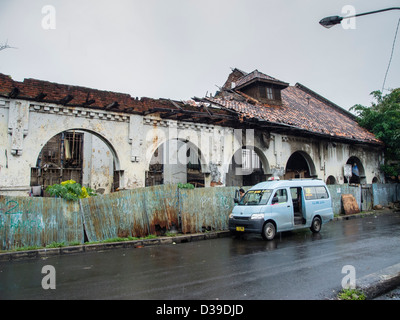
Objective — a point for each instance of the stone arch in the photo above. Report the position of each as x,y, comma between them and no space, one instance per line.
176,160
357,166
67,143
331,180
300,165
40,144
248,166
161,143
375,180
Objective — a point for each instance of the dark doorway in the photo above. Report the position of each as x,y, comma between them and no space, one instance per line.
300,166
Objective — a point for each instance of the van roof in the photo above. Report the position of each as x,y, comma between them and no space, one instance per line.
288,183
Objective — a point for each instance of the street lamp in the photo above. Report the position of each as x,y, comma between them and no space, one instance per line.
329,22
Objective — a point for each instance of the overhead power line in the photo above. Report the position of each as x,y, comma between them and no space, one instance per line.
391,55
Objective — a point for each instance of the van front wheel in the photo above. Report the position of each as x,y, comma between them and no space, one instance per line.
269,231
316,225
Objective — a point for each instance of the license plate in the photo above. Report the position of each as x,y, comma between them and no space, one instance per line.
239,228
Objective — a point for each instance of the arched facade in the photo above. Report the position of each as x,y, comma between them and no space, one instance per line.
176,161
26,126
247,167
80,155
44,121
300,165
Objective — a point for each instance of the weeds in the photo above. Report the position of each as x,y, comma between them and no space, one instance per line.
351,294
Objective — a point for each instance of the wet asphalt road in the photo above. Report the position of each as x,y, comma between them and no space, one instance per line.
296,265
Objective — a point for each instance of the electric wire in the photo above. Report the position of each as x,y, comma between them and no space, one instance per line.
391,55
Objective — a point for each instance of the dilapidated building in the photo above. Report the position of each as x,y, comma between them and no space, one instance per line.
254,127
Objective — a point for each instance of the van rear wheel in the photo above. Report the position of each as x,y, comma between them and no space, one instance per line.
316,225
269,231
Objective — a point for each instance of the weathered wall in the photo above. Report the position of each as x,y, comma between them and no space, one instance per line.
98,166
336,192
132,140
383,194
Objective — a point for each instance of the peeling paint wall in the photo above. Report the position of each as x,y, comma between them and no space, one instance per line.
98,166
131,141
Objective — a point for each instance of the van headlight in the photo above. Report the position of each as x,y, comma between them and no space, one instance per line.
257,216
231,216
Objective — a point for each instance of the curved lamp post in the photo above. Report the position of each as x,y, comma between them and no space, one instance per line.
329,22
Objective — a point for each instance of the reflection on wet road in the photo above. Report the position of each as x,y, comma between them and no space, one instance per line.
295,265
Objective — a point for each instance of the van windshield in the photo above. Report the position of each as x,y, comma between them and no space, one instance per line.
255,197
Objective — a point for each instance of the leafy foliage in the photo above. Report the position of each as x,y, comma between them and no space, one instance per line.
383,119
185,186
351,294
70,190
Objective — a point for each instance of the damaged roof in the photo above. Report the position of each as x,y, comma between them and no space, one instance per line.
257,76
76,96
301,110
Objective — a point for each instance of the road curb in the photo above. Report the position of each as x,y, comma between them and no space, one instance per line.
97,247
363,214
380,282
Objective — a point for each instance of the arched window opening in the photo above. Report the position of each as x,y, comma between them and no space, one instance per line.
76,155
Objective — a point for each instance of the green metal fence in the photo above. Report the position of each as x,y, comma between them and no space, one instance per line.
31,221
26,221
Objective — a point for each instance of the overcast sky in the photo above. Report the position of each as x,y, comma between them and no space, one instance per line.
183,48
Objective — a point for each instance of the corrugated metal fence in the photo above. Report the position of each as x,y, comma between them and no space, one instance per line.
27,221
206,208
131,213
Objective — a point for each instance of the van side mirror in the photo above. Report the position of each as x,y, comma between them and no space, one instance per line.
236,198
275,200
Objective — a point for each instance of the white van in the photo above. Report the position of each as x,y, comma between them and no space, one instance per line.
281,205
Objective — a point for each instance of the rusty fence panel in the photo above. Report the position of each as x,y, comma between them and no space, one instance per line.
119,214
162,207
135,213
29,221
206,208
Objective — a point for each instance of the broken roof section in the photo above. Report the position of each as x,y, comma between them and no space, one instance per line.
294,110
39,91
248,78
301,111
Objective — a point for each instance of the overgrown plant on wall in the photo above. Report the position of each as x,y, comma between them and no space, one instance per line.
70,190
383,119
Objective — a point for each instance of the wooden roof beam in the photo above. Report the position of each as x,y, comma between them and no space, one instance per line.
14,93
113,105
66,99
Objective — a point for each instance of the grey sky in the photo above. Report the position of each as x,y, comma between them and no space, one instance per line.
182,48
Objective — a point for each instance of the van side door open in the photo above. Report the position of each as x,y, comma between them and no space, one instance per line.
282,209
298,206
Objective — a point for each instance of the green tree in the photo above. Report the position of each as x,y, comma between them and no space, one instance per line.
382,118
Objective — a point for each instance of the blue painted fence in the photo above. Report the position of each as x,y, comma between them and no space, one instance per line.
28,221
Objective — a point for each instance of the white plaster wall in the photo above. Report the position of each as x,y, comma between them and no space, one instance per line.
47,120
98,168
132,140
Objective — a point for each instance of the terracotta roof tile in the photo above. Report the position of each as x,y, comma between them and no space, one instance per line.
301,109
